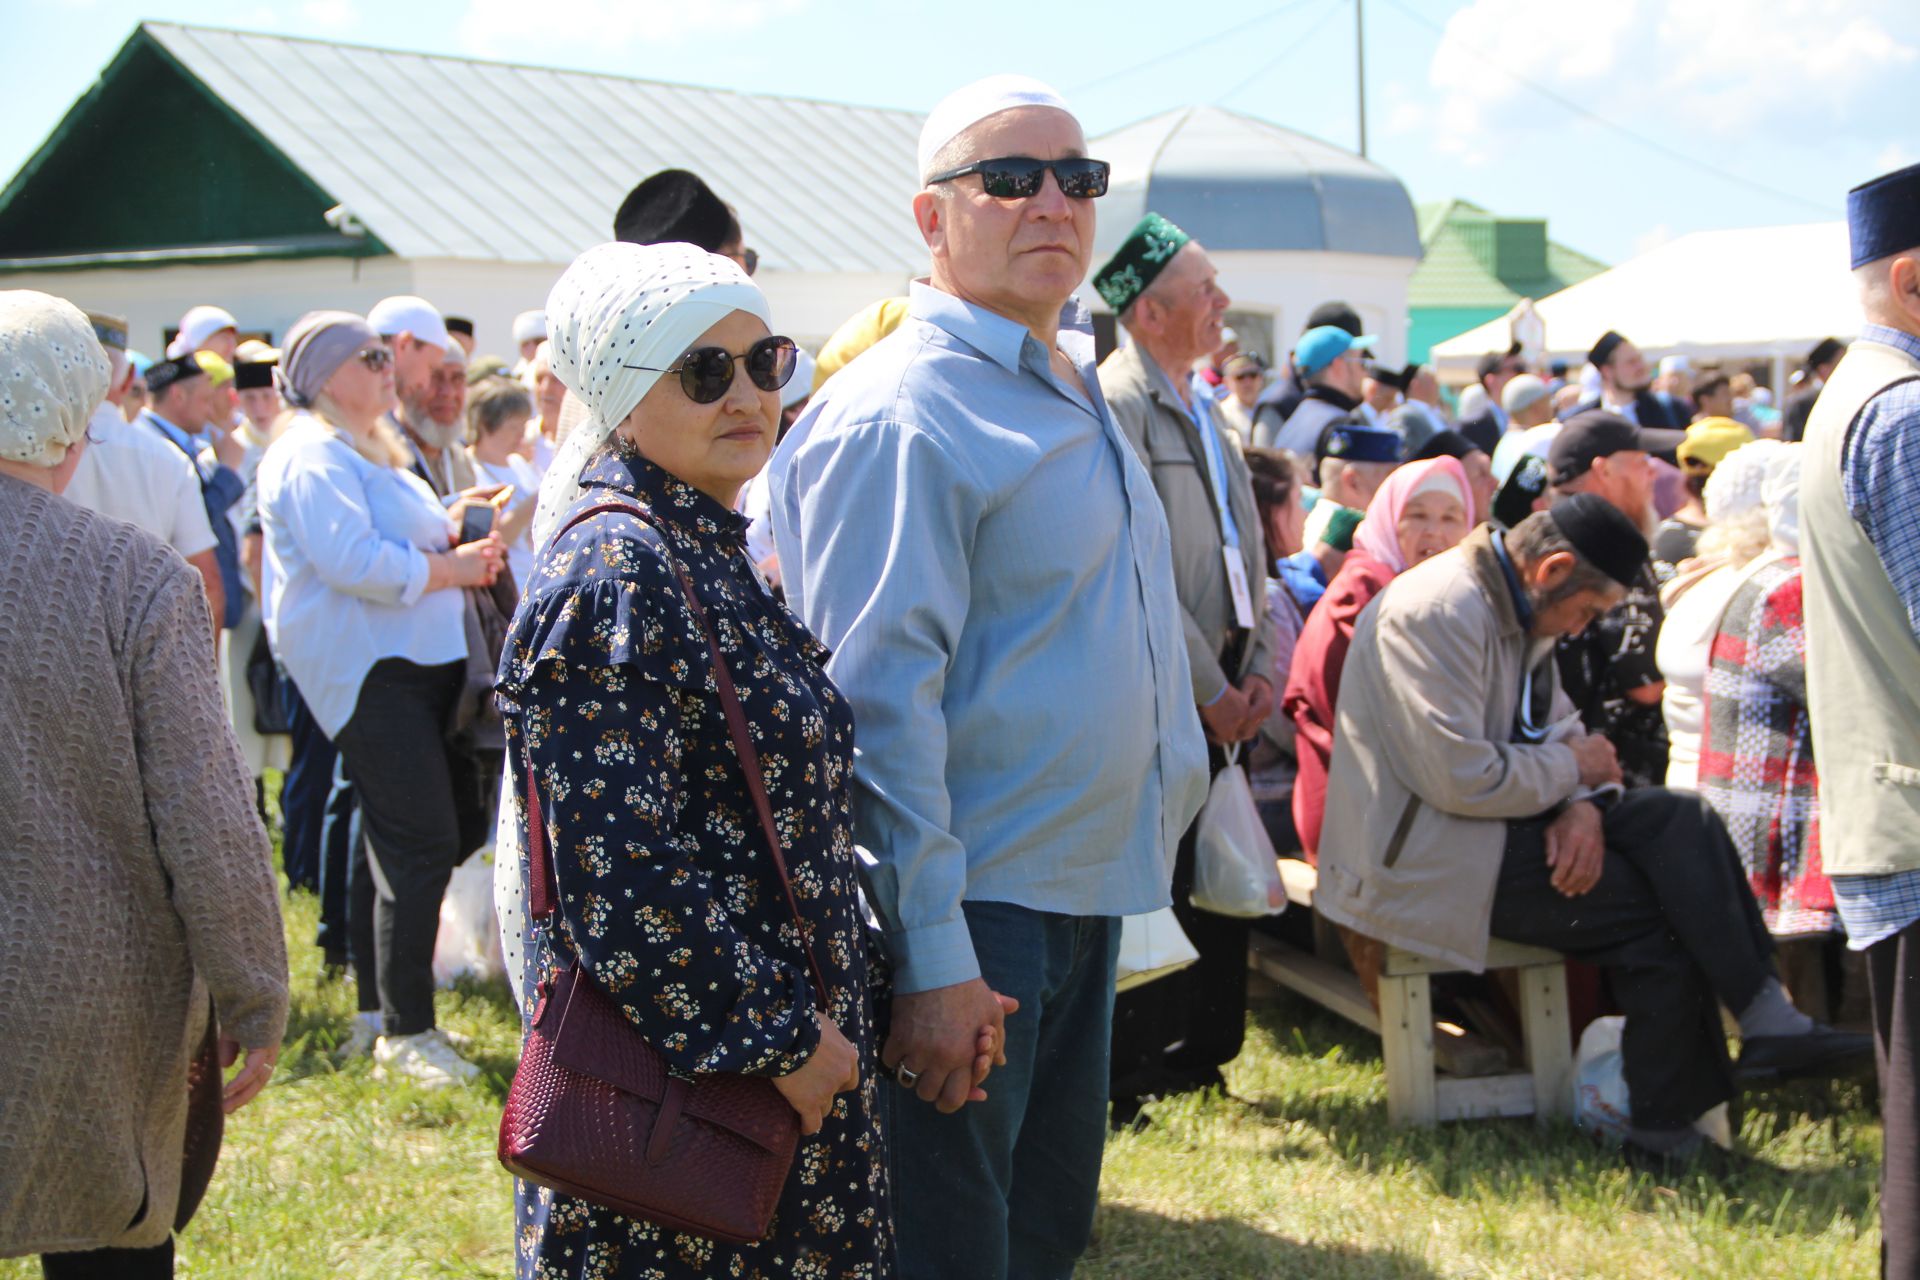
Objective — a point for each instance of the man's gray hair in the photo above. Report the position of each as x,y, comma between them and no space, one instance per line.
1536,538
494,403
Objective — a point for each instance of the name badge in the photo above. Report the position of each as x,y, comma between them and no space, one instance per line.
1237,584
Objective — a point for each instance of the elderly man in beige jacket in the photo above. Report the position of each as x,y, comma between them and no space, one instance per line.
1465,800
1174,1035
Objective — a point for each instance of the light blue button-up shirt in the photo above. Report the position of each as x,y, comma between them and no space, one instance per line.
987,557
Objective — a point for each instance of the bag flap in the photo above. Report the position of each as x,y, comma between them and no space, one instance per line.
596,1039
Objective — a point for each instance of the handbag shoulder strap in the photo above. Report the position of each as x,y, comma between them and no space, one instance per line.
543,887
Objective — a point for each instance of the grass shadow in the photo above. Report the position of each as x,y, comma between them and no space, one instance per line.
1131,1243
1814,1165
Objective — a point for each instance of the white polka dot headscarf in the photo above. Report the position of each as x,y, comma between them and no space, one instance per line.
53,375
619,306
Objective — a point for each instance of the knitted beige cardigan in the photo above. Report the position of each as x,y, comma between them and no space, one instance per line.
134,875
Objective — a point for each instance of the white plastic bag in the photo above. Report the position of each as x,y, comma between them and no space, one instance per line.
1600,1088
1235,870
469,938
1151,946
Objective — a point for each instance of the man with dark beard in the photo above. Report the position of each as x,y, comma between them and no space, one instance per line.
1608,669
1626,391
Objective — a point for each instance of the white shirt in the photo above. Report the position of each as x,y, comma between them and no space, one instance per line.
345,572
756,504
526,488
132,474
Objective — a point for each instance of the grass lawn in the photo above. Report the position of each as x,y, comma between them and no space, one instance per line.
332,1174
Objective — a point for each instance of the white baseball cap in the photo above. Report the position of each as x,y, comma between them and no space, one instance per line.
405,313
199,324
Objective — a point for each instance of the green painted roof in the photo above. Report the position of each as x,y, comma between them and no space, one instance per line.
1475,258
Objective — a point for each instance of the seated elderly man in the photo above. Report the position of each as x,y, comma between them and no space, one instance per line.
1465,801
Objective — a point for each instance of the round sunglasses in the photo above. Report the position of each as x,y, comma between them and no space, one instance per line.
1020,177
707,372
375,358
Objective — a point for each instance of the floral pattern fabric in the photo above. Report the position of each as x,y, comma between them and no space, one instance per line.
668,896
1756,759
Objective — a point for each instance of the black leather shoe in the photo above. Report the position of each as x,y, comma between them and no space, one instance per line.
1821,1052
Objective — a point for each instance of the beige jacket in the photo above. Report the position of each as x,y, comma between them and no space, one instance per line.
134,875
1162,433
1424,775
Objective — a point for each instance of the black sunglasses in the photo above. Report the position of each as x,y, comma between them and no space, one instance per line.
706,373
1019,177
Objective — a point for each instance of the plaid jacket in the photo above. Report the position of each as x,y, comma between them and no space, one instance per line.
1756,758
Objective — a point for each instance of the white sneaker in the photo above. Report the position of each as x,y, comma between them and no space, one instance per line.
425,1058
359,1041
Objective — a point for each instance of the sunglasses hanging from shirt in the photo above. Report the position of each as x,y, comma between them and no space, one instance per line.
707,372
1019,177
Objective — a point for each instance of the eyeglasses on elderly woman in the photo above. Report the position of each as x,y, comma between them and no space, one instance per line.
707,372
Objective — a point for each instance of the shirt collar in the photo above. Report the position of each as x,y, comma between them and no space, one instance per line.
622,469
993,335
1899,339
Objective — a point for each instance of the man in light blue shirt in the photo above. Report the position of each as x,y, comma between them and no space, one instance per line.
962,522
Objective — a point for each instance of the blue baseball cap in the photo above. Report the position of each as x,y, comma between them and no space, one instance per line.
1320,347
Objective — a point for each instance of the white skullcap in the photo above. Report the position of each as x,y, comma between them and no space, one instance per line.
800,385
617,317
53,375
1522,391
1675,364
1473,402
529,326
405,313
964,108
1735,486
199,324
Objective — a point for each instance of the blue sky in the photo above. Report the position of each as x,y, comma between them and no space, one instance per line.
1624,125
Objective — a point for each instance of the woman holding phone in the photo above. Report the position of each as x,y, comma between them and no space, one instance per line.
360,564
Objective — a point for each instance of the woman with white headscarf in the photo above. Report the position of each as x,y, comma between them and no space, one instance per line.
668,900
135,879
361,579
1756,763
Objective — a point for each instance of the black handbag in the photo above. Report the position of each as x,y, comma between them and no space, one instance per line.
271,714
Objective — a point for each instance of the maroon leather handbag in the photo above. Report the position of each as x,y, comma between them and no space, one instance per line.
594,1111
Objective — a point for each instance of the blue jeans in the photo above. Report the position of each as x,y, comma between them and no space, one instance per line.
1005,1189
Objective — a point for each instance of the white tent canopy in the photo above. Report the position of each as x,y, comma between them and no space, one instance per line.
1755,293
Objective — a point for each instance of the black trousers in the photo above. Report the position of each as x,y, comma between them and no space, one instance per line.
303,794
1893,979
419,807
1675,928
154,1263
1194,1020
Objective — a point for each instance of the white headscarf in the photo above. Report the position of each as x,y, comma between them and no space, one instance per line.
619,306
53,375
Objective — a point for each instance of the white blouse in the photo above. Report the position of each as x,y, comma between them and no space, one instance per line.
345,572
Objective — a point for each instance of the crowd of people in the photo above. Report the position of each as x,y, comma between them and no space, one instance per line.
828,716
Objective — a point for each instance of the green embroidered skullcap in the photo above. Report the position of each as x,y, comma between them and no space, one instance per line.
1142,256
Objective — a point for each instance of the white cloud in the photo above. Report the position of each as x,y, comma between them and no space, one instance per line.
1693,72
557,29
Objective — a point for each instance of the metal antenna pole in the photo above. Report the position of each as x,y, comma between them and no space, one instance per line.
1360,63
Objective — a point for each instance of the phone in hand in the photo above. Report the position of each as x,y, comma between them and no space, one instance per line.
476,522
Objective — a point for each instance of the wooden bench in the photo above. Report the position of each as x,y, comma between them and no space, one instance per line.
1437,1071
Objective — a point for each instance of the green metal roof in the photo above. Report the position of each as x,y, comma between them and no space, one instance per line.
1475,258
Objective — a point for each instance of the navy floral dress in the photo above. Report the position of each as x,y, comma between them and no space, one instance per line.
669,897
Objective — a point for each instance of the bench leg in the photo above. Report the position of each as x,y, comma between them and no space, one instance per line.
1406,1042
1543,1019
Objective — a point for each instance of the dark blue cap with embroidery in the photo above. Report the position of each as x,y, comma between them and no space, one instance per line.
1353,441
